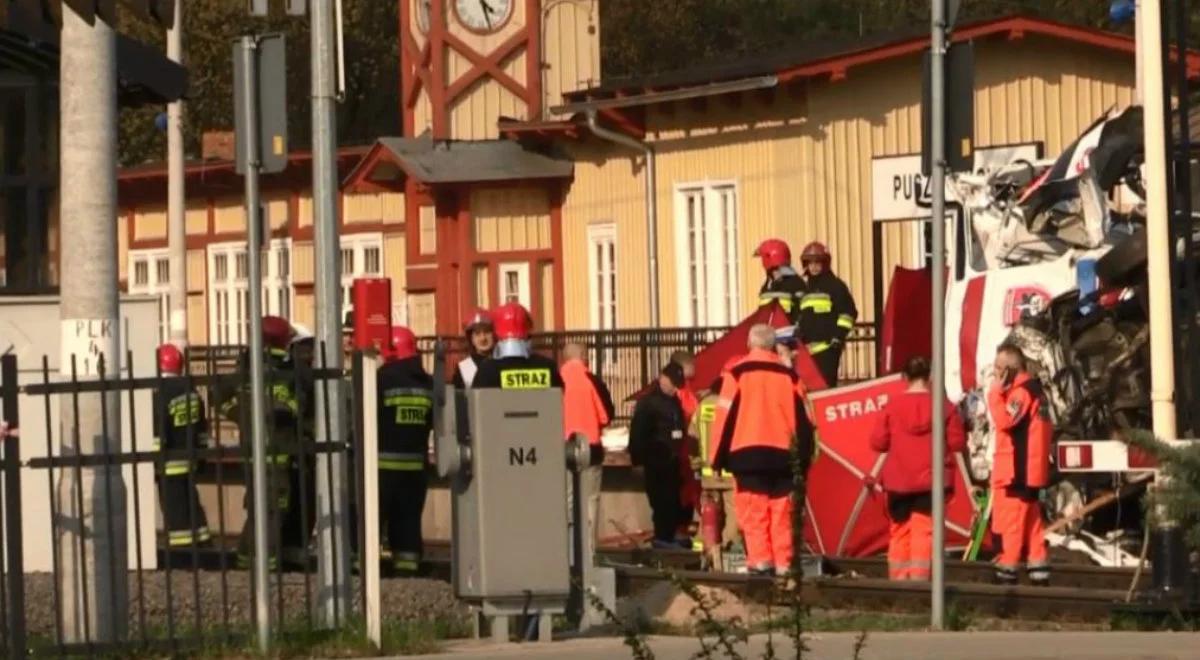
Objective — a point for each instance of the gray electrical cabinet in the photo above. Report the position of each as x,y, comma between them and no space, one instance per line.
508,479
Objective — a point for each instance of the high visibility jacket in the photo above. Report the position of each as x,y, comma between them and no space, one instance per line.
519,373
584,410
827,312
180,423
405,415
760,414
785,289
1024,432
701,429
284,407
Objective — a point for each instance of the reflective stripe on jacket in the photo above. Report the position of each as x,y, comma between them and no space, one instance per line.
826,312
405,414
786,290
759,415
1024,432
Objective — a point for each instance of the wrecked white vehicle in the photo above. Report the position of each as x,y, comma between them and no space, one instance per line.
1051,256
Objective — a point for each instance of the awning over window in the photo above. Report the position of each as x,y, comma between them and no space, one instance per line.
144,74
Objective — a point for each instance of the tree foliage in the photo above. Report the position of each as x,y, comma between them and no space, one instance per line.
639,37
370,107
642,37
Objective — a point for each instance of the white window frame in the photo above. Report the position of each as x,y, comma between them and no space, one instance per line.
154,285
521,269
229,298
602,275
715,298
358,245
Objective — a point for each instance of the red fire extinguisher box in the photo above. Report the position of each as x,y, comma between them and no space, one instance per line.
372,299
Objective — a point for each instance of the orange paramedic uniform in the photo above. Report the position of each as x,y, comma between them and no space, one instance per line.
1020,469
583,408
759,415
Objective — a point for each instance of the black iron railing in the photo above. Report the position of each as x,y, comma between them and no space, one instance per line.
184,591
629,359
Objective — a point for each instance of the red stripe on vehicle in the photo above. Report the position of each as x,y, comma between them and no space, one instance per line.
968,333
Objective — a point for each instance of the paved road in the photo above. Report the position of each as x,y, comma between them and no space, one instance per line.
880,646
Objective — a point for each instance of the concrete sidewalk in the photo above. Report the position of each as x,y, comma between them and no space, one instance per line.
879,646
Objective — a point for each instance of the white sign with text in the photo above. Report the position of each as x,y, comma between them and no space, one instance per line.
90,341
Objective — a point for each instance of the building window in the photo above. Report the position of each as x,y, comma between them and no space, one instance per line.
602,276
514,283
152,277
707,254
427,239
229,293
362,256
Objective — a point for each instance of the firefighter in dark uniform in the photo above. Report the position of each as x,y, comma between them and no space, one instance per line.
181,426
514,366
300,517
783,284
481,341
405,420
283,406
827,312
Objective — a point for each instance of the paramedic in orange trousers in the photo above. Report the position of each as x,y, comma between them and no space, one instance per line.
1020,467
905,433
689,484
656,437
759,415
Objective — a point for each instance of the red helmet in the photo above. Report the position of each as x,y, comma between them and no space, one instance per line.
512,321
774,253
479,318
170,359
815,251
404,344
276,332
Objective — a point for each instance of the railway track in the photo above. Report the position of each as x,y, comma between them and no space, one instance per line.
875,594
1080,592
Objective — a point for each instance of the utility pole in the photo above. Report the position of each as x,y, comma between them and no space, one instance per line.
92,532
176,219
937,162
258,414
1169,558
332,492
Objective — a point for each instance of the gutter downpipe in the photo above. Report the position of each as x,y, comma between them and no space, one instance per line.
651,202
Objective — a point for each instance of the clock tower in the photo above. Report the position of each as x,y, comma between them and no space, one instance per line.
467,63
482,213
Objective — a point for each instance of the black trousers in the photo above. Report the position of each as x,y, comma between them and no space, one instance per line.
662,489
401,502
301,514
183,517
828,361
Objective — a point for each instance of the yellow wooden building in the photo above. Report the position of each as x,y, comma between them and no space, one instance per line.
497,188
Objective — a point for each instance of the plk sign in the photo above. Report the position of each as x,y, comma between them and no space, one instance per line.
90,342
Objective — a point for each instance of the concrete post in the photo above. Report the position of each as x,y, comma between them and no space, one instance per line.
92,528
176,218
332,491
1168,556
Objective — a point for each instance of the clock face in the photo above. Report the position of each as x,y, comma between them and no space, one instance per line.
421,12
483,15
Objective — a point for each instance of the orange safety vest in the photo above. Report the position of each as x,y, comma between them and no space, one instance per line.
1024,432
759,414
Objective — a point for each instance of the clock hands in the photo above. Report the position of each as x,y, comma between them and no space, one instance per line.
487,12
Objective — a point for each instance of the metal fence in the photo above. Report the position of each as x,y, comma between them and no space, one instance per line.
629,359
171,593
